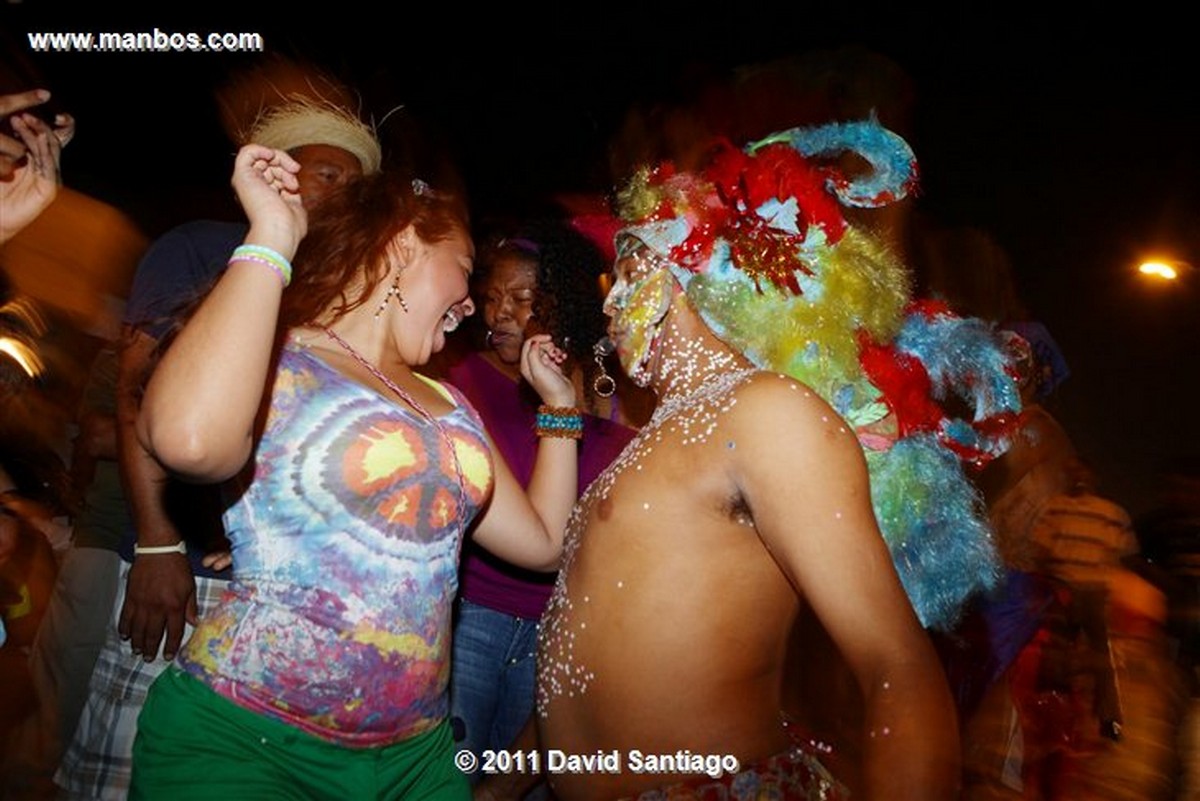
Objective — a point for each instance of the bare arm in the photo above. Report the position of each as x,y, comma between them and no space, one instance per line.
811,504
160,594
527,529
198,414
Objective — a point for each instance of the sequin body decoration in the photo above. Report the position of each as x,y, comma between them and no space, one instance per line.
700,387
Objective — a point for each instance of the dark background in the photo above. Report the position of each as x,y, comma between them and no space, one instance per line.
1073,142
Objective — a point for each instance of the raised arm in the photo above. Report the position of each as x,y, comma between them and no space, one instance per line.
198,414
810,500
527,529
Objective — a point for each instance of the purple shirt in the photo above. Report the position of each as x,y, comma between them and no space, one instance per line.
509,412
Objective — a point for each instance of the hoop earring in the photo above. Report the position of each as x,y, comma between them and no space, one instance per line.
393,291
604,385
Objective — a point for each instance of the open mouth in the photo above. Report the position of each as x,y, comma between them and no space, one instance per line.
451,319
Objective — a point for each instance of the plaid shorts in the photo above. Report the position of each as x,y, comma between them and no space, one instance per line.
99,760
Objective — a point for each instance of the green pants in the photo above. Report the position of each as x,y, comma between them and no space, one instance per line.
194,744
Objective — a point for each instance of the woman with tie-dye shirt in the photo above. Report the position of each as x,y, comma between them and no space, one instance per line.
323,672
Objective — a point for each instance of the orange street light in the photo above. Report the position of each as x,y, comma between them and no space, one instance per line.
1165,269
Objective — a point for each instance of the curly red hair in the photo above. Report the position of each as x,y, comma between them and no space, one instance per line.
341,259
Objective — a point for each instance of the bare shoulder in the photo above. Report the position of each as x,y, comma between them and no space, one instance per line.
776,411
766,385
801,472
797,463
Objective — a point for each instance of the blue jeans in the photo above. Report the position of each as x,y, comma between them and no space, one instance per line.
491,677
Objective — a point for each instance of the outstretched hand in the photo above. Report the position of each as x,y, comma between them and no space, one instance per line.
268,189
541,366
29,163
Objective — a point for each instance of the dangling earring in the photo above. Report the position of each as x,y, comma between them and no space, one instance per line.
393,290
487,338
603,385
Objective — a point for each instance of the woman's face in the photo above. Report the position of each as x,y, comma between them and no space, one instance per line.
508,294
434,286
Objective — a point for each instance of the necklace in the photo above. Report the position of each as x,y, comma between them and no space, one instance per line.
421,412
697,381
710,389
695,414
701,410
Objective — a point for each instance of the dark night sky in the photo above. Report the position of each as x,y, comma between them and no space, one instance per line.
1074,144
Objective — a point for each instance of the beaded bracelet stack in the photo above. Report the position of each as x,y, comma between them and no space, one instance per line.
266,256
559,421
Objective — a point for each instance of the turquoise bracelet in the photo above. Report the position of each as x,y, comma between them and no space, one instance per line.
559,421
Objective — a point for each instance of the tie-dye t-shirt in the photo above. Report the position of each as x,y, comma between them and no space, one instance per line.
345,548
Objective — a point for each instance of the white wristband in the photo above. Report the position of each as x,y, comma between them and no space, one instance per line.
179,547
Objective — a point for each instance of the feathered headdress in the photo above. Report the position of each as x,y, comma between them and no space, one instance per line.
761,246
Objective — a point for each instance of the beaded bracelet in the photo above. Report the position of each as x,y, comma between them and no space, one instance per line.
559,421
264,255
151,550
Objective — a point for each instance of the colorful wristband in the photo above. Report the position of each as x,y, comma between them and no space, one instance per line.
151,550
266,256
559,421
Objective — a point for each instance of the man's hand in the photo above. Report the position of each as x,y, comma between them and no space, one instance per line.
159,597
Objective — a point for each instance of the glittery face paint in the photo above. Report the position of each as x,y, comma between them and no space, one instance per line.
637,303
